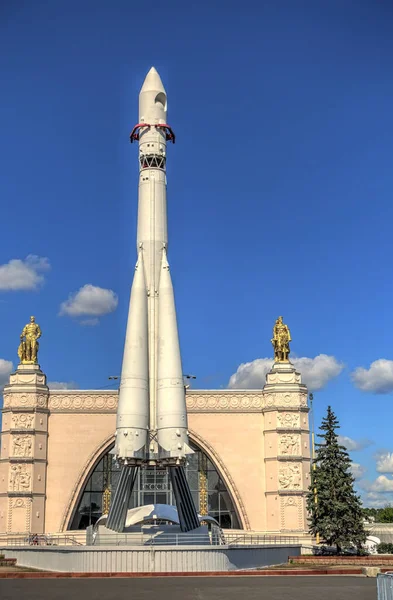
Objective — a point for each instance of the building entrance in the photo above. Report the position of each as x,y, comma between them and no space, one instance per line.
153,486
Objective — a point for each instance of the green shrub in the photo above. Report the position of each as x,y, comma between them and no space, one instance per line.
385,548
362,552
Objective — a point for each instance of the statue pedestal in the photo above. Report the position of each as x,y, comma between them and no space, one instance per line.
287,448
23,461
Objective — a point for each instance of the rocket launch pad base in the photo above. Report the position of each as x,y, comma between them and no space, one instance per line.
188,516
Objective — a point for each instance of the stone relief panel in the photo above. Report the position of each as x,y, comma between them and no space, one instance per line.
19,514
303,399
268,400
292,513
277,377
25,400
22,421
290,477
289,420
22,445
18,378
283,399
20,479
289,444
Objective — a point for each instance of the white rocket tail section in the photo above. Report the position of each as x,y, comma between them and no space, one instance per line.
133,409
172,435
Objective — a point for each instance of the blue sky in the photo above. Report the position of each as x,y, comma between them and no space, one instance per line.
279,191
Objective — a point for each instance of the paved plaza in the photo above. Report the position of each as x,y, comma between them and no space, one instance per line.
193,588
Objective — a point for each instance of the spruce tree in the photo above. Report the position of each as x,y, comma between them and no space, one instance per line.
334,507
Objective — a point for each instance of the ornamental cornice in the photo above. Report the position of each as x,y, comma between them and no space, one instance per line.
26,400
197,402
82,401
225,401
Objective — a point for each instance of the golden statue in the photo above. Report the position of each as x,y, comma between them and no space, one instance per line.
28,347
280,341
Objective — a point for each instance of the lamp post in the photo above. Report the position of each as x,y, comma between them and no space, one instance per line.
313,466
189,377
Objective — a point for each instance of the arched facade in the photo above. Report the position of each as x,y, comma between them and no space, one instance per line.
209,490
256,442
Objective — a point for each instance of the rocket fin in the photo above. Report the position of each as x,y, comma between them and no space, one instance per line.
133,409
172,433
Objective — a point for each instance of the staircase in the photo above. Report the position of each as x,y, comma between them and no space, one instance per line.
7,562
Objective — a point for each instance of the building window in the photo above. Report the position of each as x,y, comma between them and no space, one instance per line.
153,486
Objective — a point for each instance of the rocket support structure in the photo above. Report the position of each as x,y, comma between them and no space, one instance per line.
151,426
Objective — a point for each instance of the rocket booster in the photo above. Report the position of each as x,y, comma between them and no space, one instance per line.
151,416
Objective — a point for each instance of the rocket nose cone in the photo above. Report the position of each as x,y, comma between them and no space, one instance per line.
152,99
152,82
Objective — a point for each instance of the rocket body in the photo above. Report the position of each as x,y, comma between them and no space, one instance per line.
151,416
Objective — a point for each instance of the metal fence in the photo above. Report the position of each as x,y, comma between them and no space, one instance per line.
232,539
385,586
26,539
212,538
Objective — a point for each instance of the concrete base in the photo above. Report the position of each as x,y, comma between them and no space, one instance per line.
168,535
153,559
371,571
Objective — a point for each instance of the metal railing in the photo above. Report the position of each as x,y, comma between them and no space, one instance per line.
214,538
26,539
260,540
385,586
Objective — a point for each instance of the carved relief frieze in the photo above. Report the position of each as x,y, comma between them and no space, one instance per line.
20,478
303,399
22,421
284,399
283,377
292,513
224,402
195,402
290,477
18,504
289,420
20,378
289,444
25,400
83,402
22,445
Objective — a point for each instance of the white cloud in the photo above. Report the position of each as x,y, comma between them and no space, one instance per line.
357,470
378,379
90,322
384,462
353,445
89,300
375,500
6,368
62,385
316,372
24,274
251,375
381,484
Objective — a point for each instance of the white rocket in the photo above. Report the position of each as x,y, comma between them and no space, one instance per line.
151,416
